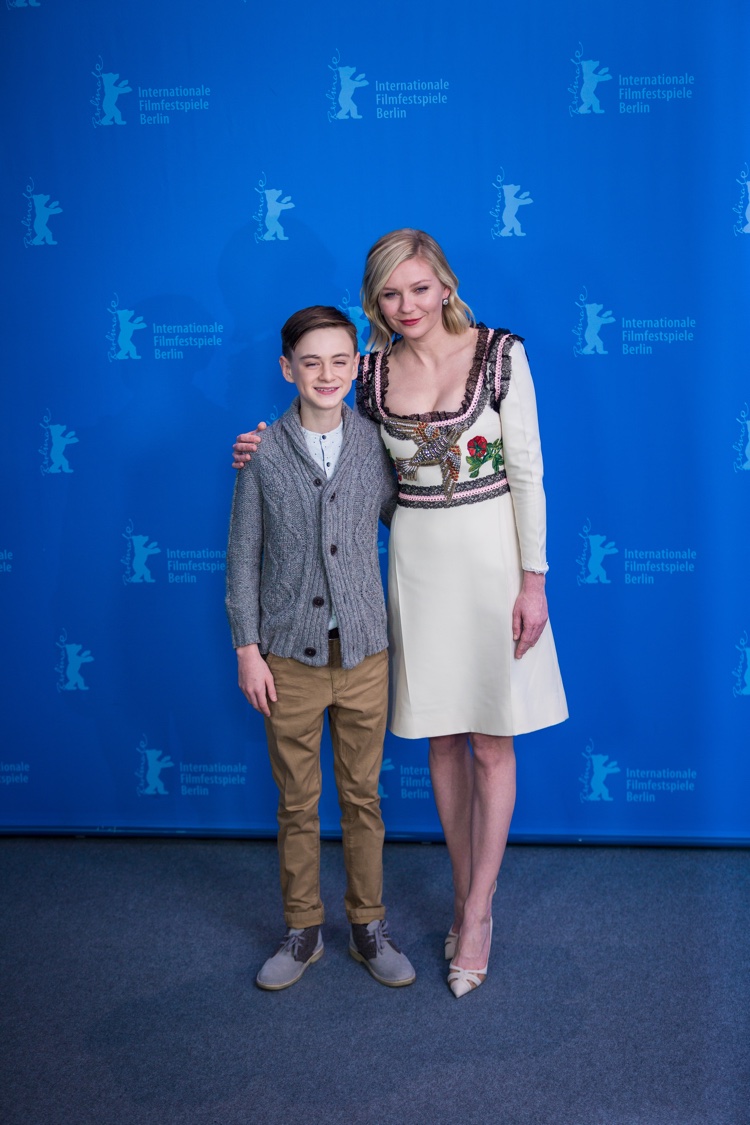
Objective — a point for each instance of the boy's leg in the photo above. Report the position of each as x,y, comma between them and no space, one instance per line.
293,732
357,716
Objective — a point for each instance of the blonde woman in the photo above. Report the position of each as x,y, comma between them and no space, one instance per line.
473,660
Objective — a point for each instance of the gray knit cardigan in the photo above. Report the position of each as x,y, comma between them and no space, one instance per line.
301,545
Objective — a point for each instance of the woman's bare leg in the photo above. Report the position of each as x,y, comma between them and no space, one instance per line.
452,773
493,799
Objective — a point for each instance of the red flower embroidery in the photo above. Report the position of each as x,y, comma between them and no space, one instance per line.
477,447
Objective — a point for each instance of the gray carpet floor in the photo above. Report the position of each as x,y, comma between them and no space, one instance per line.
618,992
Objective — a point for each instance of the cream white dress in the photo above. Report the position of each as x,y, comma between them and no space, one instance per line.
470,519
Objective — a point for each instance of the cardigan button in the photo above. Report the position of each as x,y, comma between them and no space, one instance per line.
332,496
310,651
317,482
334,548
318,601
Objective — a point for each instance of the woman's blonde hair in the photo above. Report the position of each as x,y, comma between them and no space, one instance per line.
383,258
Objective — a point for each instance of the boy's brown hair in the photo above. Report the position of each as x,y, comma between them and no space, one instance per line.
315,316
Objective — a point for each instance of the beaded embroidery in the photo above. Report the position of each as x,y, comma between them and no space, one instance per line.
468,492
436,434
434,447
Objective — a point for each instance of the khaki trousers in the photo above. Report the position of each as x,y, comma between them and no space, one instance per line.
356,700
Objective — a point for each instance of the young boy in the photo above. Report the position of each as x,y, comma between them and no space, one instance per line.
306,609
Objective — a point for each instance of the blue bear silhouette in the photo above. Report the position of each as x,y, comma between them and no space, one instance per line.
75,659
599,549
43,211
142,549
594,322
348,86
512,203
112,91
602,769
591,80
275,206
60,442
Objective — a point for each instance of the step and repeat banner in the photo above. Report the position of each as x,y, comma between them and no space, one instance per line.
176,180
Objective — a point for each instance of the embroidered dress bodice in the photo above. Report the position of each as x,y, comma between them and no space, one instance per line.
445,458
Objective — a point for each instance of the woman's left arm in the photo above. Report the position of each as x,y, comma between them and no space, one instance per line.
522,452
529,613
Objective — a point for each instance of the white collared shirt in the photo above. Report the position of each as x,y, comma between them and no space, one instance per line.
324,450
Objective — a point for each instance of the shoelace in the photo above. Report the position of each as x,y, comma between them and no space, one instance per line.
292,943
381,936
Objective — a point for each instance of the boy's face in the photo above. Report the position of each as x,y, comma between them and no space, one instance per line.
323,367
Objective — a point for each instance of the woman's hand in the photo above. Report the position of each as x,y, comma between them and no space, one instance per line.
246,445
529,613
255,679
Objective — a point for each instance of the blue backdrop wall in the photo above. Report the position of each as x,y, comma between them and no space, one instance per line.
176,179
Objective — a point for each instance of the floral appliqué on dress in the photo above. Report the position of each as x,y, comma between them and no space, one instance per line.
436,445
481,451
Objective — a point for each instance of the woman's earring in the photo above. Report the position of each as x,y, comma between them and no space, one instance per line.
445,300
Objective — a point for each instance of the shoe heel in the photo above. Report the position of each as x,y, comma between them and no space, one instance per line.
450,944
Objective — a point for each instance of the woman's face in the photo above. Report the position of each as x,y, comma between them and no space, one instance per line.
412,299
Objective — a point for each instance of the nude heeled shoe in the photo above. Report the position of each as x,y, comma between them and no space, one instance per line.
462,981
451,938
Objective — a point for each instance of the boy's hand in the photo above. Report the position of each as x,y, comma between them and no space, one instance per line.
255,679
246,445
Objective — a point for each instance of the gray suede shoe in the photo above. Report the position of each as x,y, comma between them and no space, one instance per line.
298,949
373,946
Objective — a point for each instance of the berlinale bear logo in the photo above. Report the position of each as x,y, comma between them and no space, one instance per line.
136,556
506,207
348,85
344,83
36,218
266,216
57,438
274,206
594,320
591,320
109,87
152,764
595,773
591,560
44,209
127,326
70,660
583,86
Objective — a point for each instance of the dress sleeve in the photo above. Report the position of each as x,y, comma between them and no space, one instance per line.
363,387
523,461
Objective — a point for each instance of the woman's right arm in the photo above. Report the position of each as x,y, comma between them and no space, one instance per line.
246,445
